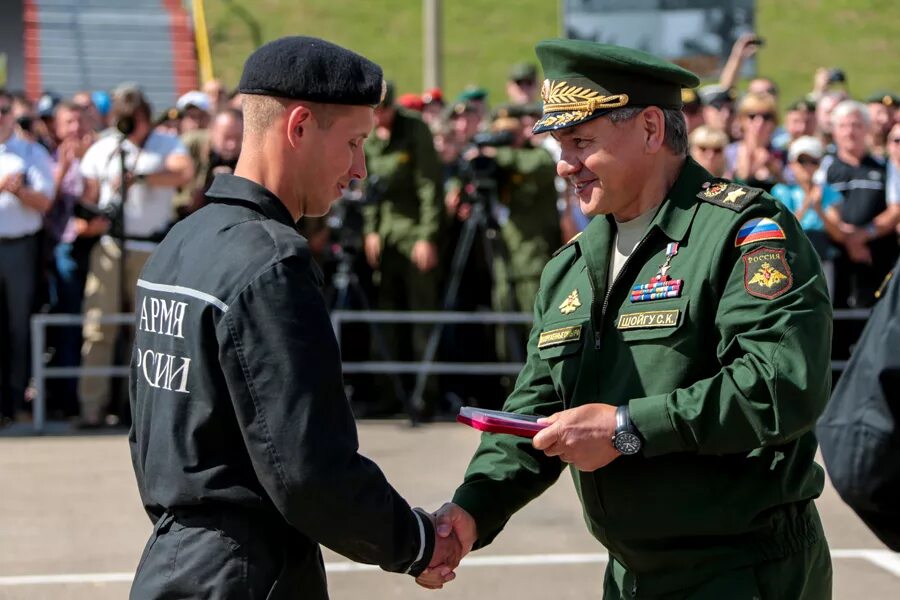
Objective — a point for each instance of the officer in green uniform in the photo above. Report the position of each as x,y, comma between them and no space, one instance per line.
402,221
680,355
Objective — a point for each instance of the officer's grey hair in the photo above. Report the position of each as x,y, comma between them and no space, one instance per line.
847,108
676,137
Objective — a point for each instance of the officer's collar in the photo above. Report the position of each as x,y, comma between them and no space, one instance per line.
233,187
677,211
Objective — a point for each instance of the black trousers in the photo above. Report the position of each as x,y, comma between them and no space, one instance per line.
18,284
228,555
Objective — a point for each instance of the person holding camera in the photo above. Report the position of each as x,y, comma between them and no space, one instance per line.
26,192
155,166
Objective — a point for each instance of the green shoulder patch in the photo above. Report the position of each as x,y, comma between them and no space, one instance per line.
729,195
567,244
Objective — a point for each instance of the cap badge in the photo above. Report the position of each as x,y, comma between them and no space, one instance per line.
573,102
570,304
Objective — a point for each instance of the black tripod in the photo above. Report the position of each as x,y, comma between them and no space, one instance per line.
483,196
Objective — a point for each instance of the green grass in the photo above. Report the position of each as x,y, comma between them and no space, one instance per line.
482,38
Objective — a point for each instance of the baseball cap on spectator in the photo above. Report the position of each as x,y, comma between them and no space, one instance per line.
46,104
411,101
433,95
806,145
194,98
102,101
715,95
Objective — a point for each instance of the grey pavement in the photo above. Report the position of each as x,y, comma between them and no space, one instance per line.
72,527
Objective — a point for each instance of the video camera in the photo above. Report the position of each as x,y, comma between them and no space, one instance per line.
345,219
480,174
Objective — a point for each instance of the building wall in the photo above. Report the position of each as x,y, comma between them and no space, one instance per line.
12,42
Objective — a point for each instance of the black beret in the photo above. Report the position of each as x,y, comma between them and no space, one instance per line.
307,68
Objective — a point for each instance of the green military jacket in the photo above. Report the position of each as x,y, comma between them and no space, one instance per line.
405,186
531,231
724,382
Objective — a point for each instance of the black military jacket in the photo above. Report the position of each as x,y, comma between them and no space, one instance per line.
236,388
860,430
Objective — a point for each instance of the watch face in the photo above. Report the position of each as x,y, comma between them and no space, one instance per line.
627,443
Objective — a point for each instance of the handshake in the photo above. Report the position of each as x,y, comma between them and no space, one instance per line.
454,535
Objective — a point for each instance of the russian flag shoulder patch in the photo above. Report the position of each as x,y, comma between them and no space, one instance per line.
758,230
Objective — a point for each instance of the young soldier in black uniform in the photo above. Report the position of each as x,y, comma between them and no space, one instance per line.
243,443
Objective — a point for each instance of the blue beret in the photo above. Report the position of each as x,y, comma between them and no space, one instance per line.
307,68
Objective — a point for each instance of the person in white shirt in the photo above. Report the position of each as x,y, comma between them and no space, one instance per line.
155,166
26,192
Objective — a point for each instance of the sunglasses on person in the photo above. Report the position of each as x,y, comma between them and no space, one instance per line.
807,161
764,116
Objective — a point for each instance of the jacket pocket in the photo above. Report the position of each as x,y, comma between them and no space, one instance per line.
560,346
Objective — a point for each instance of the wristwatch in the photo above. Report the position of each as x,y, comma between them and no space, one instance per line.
625,438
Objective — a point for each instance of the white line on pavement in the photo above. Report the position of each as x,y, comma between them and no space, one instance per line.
885,559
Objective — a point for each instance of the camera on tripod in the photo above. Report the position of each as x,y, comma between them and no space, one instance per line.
345,219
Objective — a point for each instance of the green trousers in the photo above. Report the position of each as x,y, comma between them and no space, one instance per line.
805,575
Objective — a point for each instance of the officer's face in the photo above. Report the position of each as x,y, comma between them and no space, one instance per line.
604,163
332,155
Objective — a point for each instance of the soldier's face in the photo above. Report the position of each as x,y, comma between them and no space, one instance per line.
602,161
334,155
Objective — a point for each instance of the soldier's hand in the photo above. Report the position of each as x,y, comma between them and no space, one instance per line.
373,249
424,255
455,535
580,436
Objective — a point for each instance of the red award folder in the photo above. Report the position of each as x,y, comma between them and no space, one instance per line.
495,421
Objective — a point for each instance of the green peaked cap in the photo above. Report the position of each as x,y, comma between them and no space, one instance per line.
585,80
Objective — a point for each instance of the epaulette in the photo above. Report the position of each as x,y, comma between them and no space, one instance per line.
729,195
567,244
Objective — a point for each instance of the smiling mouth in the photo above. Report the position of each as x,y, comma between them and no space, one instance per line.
580,186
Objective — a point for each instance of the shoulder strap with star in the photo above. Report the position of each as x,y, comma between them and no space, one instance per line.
567,244
729,195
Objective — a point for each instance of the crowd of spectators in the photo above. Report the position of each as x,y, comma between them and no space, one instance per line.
461,210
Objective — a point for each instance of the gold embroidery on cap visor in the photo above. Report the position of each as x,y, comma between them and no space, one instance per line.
565,104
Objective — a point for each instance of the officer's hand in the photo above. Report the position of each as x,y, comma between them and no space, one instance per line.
424,255
373,249
580,436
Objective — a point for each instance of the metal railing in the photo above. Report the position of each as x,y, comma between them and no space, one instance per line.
41,372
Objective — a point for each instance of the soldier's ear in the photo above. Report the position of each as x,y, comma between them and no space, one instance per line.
297,119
